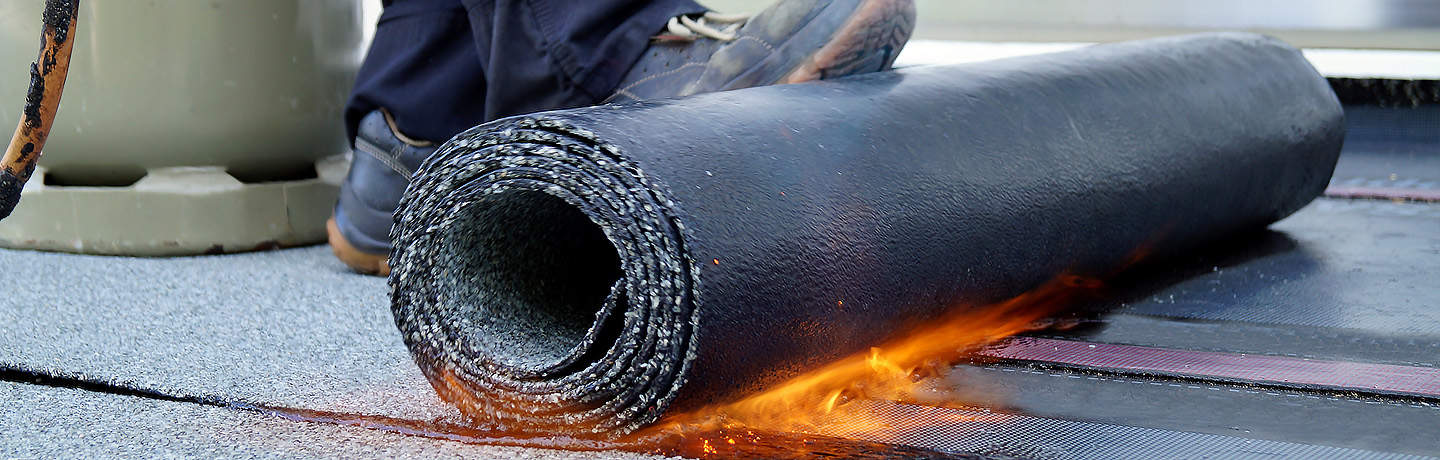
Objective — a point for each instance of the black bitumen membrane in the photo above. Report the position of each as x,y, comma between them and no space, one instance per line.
1235,411
1391,148
1380,280
592,269
1009,433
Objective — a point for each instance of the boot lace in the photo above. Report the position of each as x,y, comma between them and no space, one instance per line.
685,28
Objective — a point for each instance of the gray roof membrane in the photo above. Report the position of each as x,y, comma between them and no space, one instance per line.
57,423
289,328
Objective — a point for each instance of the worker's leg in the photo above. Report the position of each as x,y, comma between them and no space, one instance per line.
551,54
422,65
443,66
437,67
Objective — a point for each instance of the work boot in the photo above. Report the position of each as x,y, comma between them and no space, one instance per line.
792,41
380,170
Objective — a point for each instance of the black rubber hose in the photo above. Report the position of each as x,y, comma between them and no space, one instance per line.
587,270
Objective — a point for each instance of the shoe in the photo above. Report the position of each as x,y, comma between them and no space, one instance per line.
791,42
380,169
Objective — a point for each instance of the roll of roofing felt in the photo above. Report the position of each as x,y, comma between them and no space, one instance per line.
587,270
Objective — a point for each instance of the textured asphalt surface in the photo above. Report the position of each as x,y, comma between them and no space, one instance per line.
289,328
46,422
285,328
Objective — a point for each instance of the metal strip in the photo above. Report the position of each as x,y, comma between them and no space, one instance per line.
1279,370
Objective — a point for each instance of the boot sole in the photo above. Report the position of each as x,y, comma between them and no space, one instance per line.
868,42
360,261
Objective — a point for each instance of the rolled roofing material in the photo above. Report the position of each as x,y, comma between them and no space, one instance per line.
587,270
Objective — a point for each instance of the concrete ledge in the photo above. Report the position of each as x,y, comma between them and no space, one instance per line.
175,211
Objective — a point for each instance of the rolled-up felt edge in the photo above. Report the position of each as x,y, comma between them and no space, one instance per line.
597,216
588,270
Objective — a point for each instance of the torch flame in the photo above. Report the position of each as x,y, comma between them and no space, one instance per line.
816,402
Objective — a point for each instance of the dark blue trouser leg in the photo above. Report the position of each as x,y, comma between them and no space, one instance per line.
442,66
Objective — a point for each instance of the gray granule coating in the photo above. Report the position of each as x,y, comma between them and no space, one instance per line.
544,273
47,422
290,328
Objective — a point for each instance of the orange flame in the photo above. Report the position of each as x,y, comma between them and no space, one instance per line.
816,402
